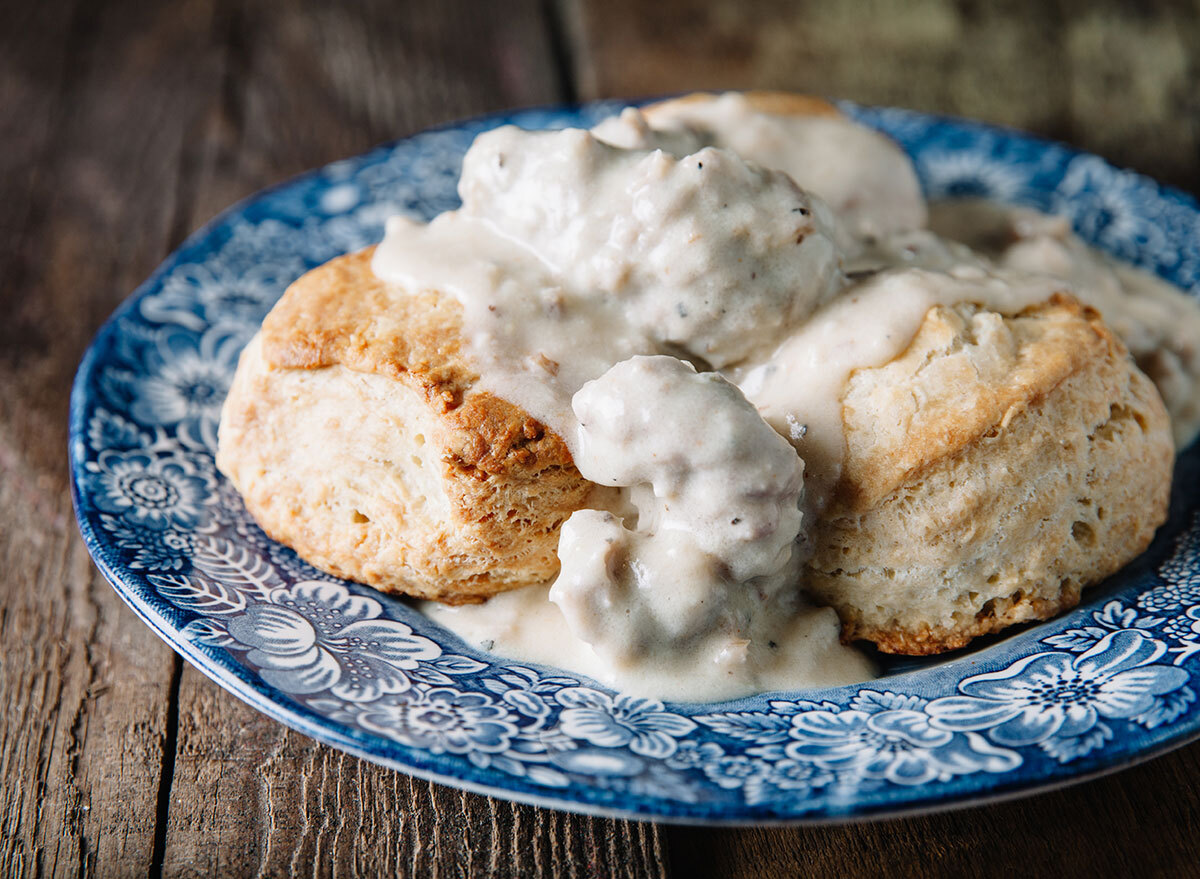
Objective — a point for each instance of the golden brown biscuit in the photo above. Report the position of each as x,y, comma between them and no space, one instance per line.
355,436
993,470
777,103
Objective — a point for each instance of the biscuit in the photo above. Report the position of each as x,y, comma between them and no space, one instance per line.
355,436
765,101
1157,322
993,470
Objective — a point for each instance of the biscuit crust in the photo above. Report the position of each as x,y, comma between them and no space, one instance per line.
356,436
765,101
993,470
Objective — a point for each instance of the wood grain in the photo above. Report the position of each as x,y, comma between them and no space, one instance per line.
1141,822
86,203
310,82
1118,78
85,686
253,798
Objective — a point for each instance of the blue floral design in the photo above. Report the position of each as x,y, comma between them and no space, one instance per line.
891,737
1110,207
112,432
283,558
1113,617
972,175
240,250
642,725
1048,698
153,492
442,720
184,382
1107,681
779,776
795,775
197,297
527,691
692,755
1188,624
734,770
599,762
316,636
1180,574
148,548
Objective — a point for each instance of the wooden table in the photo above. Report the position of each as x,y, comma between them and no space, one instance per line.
125,125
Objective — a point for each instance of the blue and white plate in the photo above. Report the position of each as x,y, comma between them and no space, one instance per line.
1109,684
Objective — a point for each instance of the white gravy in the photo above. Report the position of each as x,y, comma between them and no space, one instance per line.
798,388
599,271
569,255
863,176
524,625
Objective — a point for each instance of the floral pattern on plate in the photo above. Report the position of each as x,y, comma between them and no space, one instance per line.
1096,688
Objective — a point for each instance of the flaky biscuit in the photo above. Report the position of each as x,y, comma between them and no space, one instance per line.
355,435
776,103
993,470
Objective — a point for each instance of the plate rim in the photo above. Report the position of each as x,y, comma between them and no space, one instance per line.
306,721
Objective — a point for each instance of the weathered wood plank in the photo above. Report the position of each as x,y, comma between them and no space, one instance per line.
305,85
253,798
92,138
1141,822
1118,78
309,83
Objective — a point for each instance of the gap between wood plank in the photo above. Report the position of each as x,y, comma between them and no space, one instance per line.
560,49
166,779
227,27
